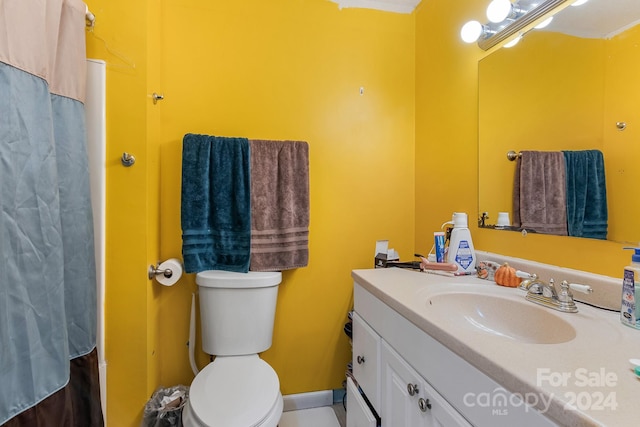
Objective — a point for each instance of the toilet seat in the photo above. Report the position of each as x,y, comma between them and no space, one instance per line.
235,391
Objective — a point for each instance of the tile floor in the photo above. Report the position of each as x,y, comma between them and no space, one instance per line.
325,416
341,414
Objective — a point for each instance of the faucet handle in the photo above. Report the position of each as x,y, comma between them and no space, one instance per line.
565,298
529,279
565,291
585,289
567,287
550,291
524,275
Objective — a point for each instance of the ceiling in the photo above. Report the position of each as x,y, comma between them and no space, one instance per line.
399,6
597,18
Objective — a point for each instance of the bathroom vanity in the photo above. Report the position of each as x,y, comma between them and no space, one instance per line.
430,350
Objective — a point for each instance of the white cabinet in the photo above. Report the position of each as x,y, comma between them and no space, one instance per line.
395,390
366,359
359,414
395,355
408,400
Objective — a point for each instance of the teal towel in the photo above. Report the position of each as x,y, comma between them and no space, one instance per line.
216,203
586,194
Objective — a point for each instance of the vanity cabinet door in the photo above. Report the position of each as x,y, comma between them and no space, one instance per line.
359,414
366,359
408,400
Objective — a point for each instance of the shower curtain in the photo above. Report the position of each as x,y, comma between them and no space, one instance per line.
48,361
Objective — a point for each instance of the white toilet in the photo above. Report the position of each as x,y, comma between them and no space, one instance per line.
237,389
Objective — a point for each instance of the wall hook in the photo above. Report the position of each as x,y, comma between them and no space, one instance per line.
621,125
157,97
127,159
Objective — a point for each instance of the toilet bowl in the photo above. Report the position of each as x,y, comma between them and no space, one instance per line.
234,391
237,389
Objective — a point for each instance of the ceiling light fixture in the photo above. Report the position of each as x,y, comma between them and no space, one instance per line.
508,18
500,10
513,42
544,23
472,31
579,2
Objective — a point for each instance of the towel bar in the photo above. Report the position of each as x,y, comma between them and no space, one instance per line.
512,155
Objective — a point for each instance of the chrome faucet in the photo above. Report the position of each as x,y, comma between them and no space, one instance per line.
530,280
546,294
482,219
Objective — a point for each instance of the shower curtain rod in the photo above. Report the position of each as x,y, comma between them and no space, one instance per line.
90,17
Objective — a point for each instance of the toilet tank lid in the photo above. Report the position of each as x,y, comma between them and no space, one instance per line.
230,279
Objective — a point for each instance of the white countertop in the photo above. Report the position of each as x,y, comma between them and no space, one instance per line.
592,370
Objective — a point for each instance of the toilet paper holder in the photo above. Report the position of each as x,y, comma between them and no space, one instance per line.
155,271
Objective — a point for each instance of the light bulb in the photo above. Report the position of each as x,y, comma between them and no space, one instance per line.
544,23
579,2
498,10
513,42
471,31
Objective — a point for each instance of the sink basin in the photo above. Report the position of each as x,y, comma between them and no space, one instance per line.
503,317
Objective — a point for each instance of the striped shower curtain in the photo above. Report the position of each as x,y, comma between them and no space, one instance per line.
48,362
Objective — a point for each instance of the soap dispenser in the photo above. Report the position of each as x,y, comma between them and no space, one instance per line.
460,251
630,309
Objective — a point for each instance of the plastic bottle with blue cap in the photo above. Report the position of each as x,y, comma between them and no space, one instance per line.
629,308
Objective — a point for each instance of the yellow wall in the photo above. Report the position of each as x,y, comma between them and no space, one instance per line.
392,163
446,146
120,38
446,117
283,69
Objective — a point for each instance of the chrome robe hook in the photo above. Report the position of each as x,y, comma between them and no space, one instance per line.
127,159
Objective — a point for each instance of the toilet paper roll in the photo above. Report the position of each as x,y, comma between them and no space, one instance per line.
172,269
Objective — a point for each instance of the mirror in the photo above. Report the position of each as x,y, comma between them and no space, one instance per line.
573,86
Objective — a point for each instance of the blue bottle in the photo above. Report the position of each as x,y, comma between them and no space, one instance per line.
629,307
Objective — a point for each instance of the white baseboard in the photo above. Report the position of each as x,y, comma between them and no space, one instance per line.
312,399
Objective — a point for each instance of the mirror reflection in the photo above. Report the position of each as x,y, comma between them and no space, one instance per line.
573,87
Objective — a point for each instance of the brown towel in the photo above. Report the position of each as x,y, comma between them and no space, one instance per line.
539,192
279,205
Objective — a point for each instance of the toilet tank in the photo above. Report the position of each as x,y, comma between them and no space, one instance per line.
237,311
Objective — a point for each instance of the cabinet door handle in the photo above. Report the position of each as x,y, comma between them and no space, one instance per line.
424,404
412,389
360,360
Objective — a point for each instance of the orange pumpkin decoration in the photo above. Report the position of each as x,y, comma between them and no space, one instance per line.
506,276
